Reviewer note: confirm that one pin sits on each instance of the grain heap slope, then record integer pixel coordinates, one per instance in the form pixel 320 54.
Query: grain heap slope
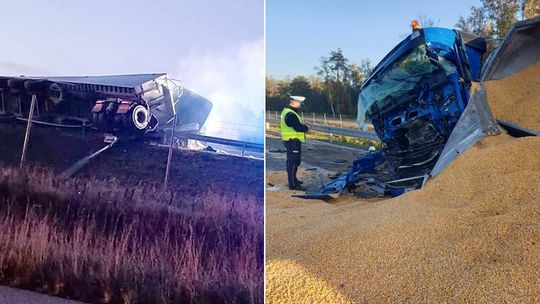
pixel 517 98
pixel 471 235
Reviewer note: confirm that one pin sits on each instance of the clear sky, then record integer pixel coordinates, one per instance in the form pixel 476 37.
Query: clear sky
pixel 299 32
pixel 215 46
pixel 129 36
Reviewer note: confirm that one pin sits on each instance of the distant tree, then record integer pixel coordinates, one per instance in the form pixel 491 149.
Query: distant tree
pixel 357 77
pixel 365 67
pixel 501 14
pixel 271 86
pixel 276 93
pixel 493 18
pixel 334 89
pixel 463 25
pixel 318 102
pixel 335 71
pixel 341 68
pixel 300 86
pixel 325 72
pixel 477 23
pixel 529 8
pixel 339 64
pixel 425 21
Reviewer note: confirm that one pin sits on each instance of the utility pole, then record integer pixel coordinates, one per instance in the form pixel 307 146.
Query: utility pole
pixel 167 97
pixel 3 103
pixel 169 156
pixel 28 128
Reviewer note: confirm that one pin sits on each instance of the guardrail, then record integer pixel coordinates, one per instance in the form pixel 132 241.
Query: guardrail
pixel 222 141
pixel 321 118
pixel 335 130
pixel 243 145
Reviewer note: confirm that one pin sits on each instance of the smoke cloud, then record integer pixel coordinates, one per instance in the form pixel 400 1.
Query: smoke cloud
pixel 233 79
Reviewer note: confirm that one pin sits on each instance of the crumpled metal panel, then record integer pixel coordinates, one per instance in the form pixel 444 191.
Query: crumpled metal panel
pixel 475 123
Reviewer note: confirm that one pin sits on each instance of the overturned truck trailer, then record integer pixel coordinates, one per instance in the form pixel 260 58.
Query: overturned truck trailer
pixel 125 105
pixel 427 107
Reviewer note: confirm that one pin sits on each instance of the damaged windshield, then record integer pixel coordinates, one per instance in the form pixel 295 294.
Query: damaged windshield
pixel 402 76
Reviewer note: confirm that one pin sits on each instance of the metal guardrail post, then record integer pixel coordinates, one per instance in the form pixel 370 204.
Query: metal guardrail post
pixel 109 140
pixel 169 156
pixel 325 122
pixel 28 128
pixel 313 117
pixel 3 104
pixel 340 131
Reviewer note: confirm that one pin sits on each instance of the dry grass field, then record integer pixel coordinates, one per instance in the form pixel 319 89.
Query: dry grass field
pixel 112 234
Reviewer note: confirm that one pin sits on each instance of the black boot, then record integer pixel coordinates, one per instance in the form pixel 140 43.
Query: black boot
pixel 295 171
pixel 297 182
pixel 298 188
pixel 290 174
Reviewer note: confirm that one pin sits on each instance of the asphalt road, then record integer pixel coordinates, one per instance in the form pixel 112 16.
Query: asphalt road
pixel 331 157
pixel 10 295
pixel 320 160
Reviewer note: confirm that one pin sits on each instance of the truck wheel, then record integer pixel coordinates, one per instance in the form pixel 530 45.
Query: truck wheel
pixel 98 119
pixel 55 93
pixel 140 117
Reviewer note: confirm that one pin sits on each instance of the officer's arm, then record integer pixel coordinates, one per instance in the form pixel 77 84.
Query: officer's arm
pixel 292 121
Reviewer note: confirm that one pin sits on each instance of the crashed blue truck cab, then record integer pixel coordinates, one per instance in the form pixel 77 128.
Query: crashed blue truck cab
pixel 428 105
pixel 414 99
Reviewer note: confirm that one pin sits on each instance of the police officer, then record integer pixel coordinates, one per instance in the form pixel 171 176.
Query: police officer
pixel 293 134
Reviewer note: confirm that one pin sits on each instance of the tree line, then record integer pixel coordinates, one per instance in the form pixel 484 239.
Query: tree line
pixel 334 89
pixel 493 18
pixel 335 86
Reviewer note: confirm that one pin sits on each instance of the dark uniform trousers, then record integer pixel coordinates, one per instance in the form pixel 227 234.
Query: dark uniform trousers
pixel 294 157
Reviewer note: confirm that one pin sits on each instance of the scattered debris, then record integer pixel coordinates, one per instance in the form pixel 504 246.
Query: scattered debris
pixel 278 151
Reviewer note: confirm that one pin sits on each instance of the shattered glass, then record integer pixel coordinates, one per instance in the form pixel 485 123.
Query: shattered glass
pixel 401 77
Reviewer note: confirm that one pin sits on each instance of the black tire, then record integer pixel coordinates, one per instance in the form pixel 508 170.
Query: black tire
pixel 140 117
pixel 99 120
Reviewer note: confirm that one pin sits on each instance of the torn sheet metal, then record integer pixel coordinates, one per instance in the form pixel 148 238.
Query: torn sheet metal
pixel 475 123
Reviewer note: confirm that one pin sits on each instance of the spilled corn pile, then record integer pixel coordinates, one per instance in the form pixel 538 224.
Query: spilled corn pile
pixel 471 235
pixel 292 278
pixel 517 98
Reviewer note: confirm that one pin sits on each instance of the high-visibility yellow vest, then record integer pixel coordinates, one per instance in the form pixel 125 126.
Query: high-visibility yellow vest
pixel 288 132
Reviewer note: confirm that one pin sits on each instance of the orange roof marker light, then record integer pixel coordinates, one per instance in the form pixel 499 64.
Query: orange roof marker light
pixel 415 25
